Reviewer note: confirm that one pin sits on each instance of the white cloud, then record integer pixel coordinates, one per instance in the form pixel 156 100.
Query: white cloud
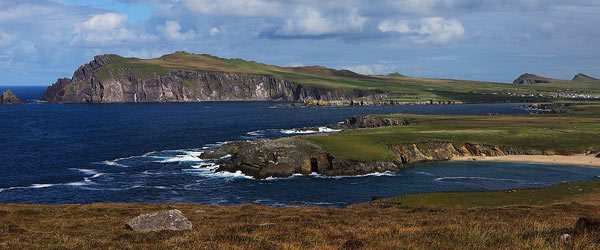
pixel 108 29
pixel 172 30
pixel 7 39
pixel 245 8
pixel 309 21
pixel 214 31
pixel 106 21
pixel 434 30
pixel 398 26
pixel 438 30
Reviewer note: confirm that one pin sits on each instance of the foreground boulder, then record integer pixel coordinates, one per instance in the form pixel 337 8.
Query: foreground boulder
pixel 9 98
pixel 587 225
pixel 153 222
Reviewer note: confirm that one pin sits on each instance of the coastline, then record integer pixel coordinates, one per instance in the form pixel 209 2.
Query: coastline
pixel 579 159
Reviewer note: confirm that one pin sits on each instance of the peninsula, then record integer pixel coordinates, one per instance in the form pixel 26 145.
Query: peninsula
pixel 187 77
pixel 380 143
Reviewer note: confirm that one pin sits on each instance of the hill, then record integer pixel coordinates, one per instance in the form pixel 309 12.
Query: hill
pixel 187 77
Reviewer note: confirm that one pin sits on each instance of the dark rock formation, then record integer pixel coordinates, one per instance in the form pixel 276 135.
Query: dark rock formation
pixel 587 225
pixel 370 121
pixel 91 84
pixel 154 222
pixel 554 107
pixel 530 79
pixel 582 77
pixel 289 156
pixel 9 98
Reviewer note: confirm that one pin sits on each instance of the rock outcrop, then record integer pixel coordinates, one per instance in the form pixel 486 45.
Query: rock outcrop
pixel 9 98
pixel 555 107
pixel 153 222
pixel 530 79
pixel 288 156
pixel 94 83
pixel 370 121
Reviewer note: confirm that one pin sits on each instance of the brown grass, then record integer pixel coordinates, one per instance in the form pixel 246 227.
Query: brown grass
pixel 364 226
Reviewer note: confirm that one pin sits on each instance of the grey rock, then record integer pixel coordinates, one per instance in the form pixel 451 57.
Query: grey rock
pixel 159 221
pixel 9 98
pixel 598 155
pixel 565 238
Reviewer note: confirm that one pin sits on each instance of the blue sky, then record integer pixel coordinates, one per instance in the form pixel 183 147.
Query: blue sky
pixel 493 40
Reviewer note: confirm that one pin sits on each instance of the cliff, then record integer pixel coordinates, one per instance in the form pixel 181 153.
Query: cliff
pixel 289 156
pixel 9 98
pixel 107 79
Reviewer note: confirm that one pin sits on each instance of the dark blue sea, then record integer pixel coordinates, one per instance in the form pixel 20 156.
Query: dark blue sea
pixel 85 153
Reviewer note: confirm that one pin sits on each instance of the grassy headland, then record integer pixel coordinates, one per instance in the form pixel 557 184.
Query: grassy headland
pixel 565 133
pixel 398 87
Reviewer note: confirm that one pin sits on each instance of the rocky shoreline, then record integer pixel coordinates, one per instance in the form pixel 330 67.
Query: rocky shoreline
pixel 285 157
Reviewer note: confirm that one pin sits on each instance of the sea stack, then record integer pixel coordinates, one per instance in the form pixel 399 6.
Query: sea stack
pixel 530 79
pixel 9 98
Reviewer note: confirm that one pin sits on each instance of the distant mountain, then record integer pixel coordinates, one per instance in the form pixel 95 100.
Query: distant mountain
pixel 531 79
pixel 582 77
pixel 187 77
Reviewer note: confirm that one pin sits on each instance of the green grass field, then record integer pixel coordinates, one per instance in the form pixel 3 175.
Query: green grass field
pixel 398 87
pixel 563 192
pixel 576 131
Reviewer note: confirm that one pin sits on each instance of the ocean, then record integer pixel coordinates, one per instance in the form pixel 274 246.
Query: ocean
pixel 86 153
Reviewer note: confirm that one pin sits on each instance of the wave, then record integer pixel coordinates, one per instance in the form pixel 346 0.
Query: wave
pixel 478 178
pixel 300 131
pixel 114 163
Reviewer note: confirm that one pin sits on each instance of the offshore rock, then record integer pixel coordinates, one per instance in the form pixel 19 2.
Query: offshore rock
pixel 9 98
pixel 153 222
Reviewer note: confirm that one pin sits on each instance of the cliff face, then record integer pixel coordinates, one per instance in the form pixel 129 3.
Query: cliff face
pixel 180 85
pixel 289 156
pixel 9 98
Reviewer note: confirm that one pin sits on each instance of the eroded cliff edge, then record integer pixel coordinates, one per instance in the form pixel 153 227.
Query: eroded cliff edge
pixel 288 156
pixel 95 83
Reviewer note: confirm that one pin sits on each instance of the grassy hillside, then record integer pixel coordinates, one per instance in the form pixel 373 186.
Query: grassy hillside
pixel 398 87
pixel 572 132
pixel 493 220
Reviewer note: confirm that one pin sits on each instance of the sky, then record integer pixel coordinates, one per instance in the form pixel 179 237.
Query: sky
pixel 487 40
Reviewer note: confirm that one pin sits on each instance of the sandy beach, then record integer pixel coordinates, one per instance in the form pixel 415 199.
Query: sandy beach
pixel 583 160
